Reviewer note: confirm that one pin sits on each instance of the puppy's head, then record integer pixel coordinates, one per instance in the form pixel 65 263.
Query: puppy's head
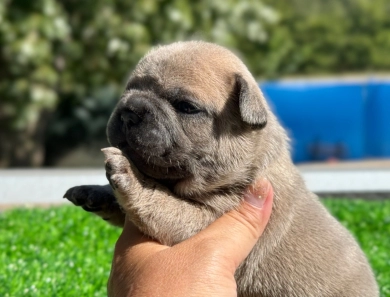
pixel 190 117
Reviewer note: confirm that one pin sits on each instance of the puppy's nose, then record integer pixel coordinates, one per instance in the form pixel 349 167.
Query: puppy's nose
pixel 130 117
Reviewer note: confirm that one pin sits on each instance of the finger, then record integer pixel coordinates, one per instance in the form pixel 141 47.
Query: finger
pixel 133 244
pixel 131 252
pixel 233 235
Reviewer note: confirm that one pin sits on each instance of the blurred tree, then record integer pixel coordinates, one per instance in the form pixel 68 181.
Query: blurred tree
pixel 64 62
pixel 29 77
pixel 327 36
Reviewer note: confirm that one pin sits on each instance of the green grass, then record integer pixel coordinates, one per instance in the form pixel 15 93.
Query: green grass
pixel 66 252
pixel 369 222
pixel 54 252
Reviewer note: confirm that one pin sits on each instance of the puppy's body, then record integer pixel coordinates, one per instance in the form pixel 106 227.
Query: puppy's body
pixel 192 131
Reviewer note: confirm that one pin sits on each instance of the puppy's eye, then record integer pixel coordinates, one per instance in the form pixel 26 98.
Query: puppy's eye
pixel 186 107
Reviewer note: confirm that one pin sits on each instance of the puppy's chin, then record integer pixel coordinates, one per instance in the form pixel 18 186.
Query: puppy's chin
pixel 156 168
pixel 177 179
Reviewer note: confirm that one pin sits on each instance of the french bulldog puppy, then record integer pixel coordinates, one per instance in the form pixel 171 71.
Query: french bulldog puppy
pixel 190 132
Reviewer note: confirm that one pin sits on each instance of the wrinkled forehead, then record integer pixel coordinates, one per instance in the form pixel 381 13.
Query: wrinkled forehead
pixel 209 81
pixel 178 89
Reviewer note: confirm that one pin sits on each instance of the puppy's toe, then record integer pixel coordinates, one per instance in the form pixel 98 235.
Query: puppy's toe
pixel 111 151
pixel 90 198
pixel 117 164
pixel 77 195
pixel 121 183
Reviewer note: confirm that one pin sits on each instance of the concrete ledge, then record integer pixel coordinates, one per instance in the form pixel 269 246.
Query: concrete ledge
pixel 348 181
pixel 44 186
pixel 47 186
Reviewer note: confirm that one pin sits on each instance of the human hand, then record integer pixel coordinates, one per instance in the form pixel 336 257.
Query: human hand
pixel 203 265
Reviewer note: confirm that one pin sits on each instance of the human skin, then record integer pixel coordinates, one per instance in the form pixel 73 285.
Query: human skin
pixel 203 265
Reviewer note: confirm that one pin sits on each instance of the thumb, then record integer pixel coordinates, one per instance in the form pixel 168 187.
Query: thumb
pixel 235 234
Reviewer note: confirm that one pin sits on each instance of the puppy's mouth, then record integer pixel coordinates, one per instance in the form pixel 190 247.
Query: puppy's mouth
pixel 162 168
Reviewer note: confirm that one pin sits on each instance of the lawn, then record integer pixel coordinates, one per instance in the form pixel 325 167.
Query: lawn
pixel 59 251
pixel 64 251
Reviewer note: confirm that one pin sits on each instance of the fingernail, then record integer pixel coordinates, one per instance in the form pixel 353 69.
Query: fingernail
pixel 257 193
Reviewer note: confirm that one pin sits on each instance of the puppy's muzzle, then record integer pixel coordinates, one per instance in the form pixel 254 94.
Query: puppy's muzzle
pixel 130 118
pixel 135 111
pixel 145 128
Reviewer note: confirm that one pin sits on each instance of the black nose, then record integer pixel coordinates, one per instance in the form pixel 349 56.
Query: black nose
pixel 130 117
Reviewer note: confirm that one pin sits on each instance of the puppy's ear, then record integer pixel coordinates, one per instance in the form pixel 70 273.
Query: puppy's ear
pixel 251 103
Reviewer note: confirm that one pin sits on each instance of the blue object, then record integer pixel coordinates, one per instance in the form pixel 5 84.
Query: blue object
pixel 378 120
pixel 324 119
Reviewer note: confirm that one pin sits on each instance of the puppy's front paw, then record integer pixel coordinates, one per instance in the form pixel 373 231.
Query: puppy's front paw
pixel 98 200
pixel 122 175
pixel 117 168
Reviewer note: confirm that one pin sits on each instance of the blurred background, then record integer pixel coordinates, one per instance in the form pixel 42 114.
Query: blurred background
pixel 64 63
